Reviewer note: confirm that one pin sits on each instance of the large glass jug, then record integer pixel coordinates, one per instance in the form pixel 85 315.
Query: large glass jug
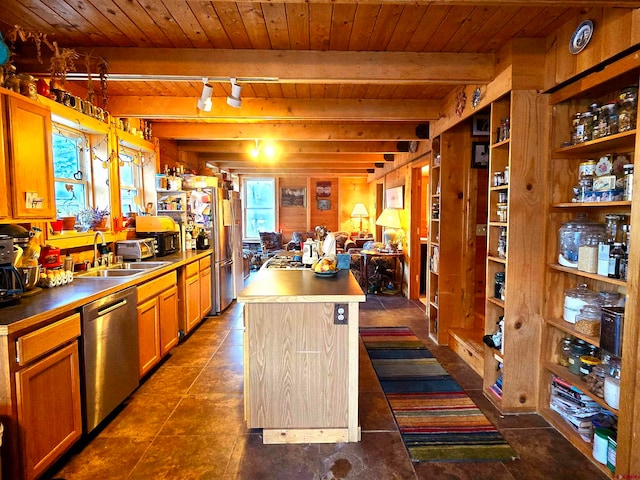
pixel 573 234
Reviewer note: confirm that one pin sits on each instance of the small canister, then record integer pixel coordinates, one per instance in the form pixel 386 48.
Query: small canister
pixel 499 284
pixel 611 454
pixel 587 363
pixel 601 443
pixel 586 169
pixel 628 181
pixel 578 349
pixel 612 384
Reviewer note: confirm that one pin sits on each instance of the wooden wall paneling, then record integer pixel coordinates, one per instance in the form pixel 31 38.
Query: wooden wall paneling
pixel 294 218
pixel 4 185
pixel 324 217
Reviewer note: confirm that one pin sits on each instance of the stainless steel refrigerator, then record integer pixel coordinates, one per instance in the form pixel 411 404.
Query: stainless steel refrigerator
pixel 236 230
pixel 210 208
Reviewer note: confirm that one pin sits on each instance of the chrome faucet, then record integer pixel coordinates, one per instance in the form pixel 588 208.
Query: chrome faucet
pixel 96 260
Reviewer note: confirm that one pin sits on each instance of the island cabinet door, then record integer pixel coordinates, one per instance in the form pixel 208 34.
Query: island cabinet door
pixel 298 366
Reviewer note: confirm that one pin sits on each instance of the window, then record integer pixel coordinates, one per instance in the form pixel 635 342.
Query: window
pixel 260 207
pixel 71 171
pixel 130 180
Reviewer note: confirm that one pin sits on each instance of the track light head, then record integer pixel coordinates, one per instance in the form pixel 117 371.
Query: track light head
pixel 204 102
pixel 234 100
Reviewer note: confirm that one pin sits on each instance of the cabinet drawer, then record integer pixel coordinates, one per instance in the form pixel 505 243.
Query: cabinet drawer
pixel 154 287
pixel 192 269
pixel 205 262
pixel 35 344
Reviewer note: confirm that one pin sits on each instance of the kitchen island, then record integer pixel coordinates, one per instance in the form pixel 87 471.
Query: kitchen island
pixel 301 356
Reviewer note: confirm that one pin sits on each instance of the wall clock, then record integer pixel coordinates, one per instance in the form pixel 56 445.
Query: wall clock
pixel 581 37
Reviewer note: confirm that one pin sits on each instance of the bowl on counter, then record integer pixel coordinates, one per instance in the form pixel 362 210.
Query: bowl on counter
pixel 30 276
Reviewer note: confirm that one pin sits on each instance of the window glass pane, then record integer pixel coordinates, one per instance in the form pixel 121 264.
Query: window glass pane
pixel 66 156
pixel 260 193
pixel 126 174
pixel 260 207
pixel 70 198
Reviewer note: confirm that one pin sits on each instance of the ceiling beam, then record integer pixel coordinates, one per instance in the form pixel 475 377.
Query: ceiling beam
pixel 277 109
pixel 476 3
pixel 290 147
pixel 300 171
pixel 304 131
pixel 293 164
pixel 290 66
pixel 316 160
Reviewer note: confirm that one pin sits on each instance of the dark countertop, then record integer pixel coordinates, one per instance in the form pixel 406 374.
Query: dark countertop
pixel 50 302
pixel 303 286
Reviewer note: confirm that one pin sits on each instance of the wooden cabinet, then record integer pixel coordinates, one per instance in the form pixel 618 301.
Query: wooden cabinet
pixel 515 249
pixel 168 318
pixel 206 300
pixel 4 185
pixel 48 394
pixel 563 164
pixel 29 160
pixel 157 320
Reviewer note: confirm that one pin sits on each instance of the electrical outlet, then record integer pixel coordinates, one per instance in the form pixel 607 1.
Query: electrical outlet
pixel 481 230
pixel 341 314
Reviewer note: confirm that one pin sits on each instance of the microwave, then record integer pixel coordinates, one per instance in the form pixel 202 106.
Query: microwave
pixel 166 243
pixel 136 249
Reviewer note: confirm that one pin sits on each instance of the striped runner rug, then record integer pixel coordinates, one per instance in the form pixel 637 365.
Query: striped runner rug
pixel 436 418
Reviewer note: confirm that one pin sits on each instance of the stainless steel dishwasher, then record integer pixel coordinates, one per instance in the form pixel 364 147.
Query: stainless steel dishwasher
pixel 109 354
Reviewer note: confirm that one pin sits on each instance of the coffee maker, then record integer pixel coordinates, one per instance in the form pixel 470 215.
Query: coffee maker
pixel 11 286
pixel 309 252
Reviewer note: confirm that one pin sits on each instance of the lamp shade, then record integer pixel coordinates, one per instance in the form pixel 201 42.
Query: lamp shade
pixel 389 218
pixel 359 211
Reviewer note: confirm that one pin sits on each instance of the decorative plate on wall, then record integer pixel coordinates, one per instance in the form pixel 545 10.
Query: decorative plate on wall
pixel 581 37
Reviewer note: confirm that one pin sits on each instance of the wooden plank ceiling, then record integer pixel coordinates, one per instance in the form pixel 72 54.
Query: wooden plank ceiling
pixel 337 83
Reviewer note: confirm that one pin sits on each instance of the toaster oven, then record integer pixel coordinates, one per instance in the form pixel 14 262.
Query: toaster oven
pixel 136 249
pixel 166 243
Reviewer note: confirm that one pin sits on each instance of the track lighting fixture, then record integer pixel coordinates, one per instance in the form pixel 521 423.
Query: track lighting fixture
pixel 234 99
pixel 204 102
pixel 265 150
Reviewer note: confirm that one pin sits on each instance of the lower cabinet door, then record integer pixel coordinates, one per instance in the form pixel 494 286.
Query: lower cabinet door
pixel 168 313
pixel 192 301
pixel 49 415
pixel 148 335
pixel 205 292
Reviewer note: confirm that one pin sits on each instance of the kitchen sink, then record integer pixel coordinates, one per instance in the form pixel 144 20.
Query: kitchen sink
pixel 143 265
pixel 112 272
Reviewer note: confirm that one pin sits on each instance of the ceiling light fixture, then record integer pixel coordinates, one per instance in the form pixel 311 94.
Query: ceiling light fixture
pixel 265 150
pixel 234 99
pixel 204 102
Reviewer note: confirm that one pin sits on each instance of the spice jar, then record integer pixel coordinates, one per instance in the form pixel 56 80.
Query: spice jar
pixel 612 227
pixel 627 108
pixel 575 299
pixel 502 243
pixel 579 348
pixel 501 212
pixel 587 362
pixel 498 179
pixel 576 128
pixel 564 352
pixel 594 109
pixel 587 321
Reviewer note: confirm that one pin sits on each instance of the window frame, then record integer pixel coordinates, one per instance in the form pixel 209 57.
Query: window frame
pixel 83 150
pixel 138 175
pixel 246 209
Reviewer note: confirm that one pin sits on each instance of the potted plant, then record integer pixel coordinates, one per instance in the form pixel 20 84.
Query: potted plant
pixel 99 218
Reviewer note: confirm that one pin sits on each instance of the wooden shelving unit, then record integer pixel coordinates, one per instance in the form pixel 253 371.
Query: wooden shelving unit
pixel 447 279
pixel 522 262
pixel 563 170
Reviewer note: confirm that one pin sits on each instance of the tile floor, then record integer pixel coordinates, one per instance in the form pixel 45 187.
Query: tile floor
pixel 186 422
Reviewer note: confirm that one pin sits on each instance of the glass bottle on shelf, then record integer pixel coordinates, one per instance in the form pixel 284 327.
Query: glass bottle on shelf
pixel 627 108
pixel 502 243
pixel 564 352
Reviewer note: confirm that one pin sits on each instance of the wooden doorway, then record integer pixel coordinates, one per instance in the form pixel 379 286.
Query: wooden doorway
pixel 379 208
pixel 418 229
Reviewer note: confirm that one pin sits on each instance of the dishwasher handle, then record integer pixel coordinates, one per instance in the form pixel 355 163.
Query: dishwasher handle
pixel 112 307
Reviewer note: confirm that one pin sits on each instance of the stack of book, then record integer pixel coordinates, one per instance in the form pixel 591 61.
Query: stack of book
pixel 496 388
pixel 575 407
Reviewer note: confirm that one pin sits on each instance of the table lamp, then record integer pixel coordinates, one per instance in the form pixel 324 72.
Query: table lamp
pixel 360 211
pixel 390 219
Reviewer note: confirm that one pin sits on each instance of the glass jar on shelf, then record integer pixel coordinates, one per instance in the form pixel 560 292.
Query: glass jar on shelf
pixel 587 321
pixel 627 108
pixel 588 250
pixel 564 352
pixel 612 383
pixel 571 235
pixel 608 119
pixel 502 243
pixel 575 299
pixel 579 348
pixel 612 228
